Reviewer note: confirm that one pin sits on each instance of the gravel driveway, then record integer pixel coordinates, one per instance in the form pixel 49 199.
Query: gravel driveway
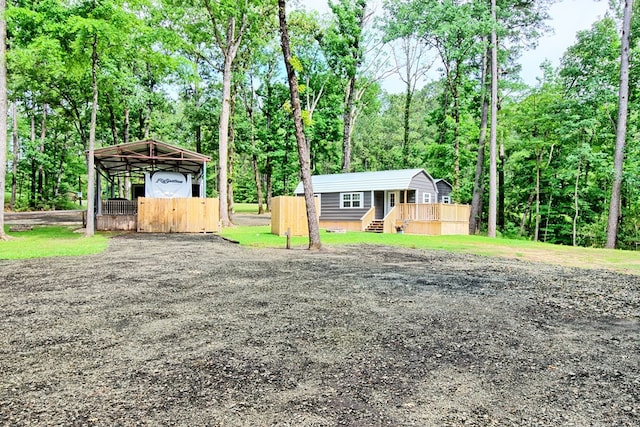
pixel 191 330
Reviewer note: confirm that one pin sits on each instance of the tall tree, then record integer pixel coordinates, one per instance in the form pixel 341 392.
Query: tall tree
pixel 91 188
pixel 476 198
pixel 3 112
pixel 457 31
pixel 344 45
pixel 493 193
pixel 229 26
pixel 411 67
pixel 303 152
pixel 621 128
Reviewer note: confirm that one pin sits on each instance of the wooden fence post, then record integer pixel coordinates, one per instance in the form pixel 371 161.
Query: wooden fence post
pixel 288 238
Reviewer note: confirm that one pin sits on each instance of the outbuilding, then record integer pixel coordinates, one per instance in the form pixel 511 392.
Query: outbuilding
pixel 166 189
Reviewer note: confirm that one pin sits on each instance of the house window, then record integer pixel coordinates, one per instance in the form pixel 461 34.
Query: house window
pixel 392 199
pixel 426 197
pixel 446 199
pixel 351 200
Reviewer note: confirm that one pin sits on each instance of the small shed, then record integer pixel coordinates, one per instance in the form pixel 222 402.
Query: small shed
pixel 444 190
pixel 164 189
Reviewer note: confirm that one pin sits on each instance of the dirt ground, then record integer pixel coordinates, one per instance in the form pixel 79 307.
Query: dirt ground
pixel 191 330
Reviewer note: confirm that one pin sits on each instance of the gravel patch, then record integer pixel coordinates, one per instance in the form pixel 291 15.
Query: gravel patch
pixel 192 330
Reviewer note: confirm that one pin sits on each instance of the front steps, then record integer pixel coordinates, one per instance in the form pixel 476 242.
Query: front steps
pixel 376 226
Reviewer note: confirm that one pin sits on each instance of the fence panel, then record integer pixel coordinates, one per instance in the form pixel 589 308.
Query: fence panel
pixel 180 215
pixel 290 213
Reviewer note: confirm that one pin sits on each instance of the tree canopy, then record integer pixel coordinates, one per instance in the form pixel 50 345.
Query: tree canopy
pixel 210 76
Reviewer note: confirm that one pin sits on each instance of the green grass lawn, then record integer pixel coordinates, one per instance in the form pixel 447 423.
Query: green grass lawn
pixel 50 241
pixel 246 208
pixel 623 261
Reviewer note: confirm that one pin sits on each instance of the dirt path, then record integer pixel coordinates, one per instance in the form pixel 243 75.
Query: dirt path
pixel 191 330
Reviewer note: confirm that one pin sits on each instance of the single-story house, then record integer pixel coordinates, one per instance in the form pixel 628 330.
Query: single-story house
pixel 348 196
pixel 386 201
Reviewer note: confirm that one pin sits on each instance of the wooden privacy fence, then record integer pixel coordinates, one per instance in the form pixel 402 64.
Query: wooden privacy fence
pixel 290 213
pixel 180 215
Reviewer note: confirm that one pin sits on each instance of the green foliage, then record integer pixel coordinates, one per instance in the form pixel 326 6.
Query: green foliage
pixel 160 66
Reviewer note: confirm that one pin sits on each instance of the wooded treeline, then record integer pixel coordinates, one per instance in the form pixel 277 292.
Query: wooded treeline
pixel 209 75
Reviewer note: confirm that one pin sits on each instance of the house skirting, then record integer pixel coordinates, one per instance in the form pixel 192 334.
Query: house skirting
pixel 342 225
pixel 436 228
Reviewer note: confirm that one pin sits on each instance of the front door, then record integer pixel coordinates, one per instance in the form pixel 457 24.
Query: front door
pixel 391 199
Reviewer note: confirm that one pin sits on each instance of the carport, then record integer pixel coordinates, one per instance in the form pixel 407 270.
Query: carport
pixel 164 184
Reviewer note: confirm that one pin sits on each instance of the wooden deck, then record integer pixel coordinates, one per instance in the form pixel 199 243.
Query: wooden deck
pixel 433 219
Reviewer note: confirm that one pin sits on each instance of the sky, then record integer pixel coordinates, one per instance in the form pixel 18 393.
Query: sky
pixel 567 18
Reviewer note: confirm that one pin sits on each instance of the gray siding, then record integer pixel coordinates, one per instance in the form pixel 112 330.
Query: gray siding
pixel 423 184
pixel 444 189
pixel 331 211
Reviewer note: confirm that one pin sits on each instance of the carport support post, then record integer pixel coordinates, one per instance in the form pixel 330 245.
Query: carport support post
pixel 203 180
pixel 98 196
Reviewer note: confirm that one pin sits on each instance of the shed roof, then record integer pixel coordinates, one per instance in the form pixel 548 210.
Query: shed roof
pixel 363 181
pixel 148 155
pixel 443 180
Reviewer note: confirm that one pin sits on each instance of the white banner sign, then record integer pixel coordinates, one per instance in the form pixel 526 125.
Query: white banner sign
pixel 167 185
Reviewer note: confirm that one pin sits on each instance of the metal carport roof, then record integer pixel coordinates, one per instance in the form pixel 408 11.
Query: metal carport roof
pixel 148 156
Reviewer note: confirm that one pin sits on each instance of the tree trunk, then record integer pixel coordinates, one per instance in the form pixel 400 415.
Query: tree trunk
pixel 32 187
pixel 223 142
pixel 491 227
pixel 254 156
pixel 125 131
pixel 527 209
pixel 56 188
pixel 269 185
pixel 349 107
pixel 223 125
pixel 112 122
pixel 303 153
pixel 407 117
pixel 232 136
pixel 474 217
pixel 91 187
pixel 501 195
pixel 3 112
pixel 538 167
pixel 546 223
pixel 621 130
pixel 14 175
pixel 196 98
pixel 268 166
pixel 346 134
pixel 576 206
pixel 43 137
pixel 456 140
